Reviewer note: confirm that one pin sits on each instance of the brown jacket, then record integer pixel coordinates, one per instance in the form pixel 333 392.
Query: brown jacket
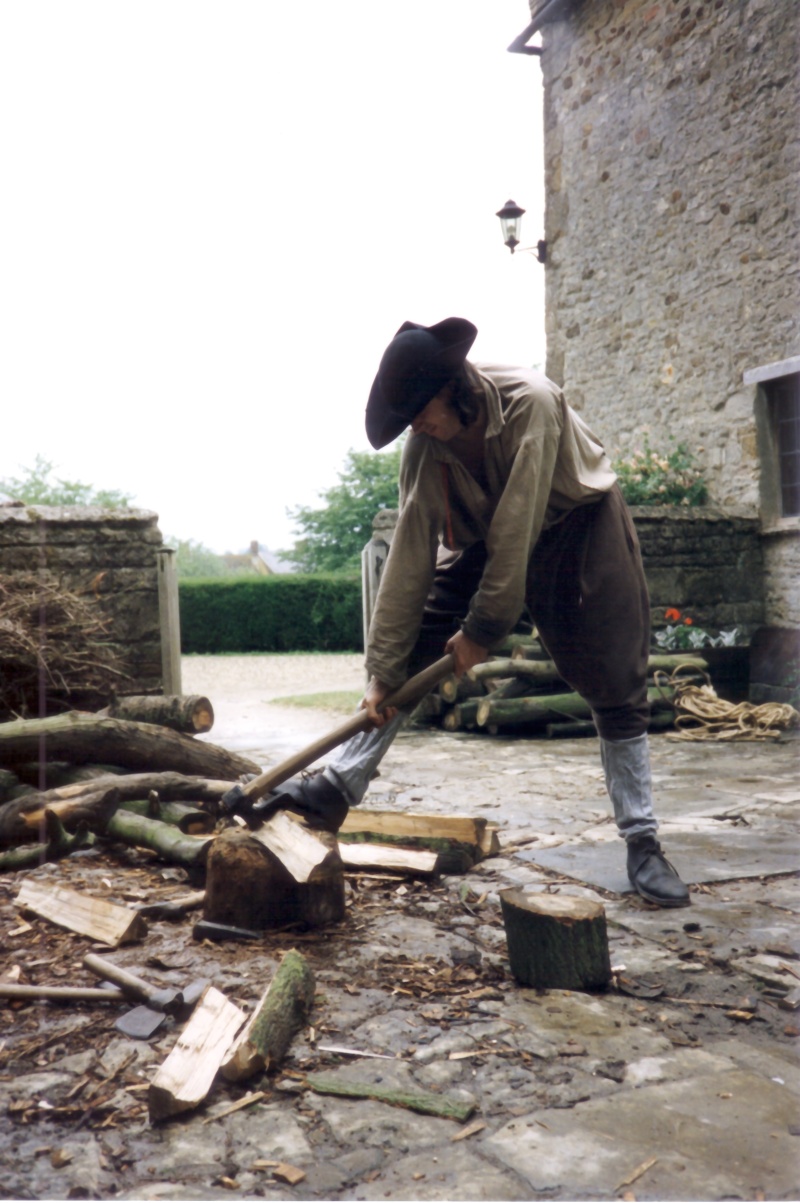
pixel 541 461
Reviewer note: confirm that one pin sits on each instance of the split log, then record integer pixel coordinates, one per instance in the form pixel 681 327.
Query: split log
pixel 193 715
pixel 388 825
pixel 168 841
pixel 450 856
pixel 81 738
pixel 188 819
pixel 418 1100
pixel 182 1082
pixel 281 1013
pixel 105 922
pixel 59 843
pixel 556 941
pixel 537 711
pixel 414 862
pixel 277 876
pixel 23 820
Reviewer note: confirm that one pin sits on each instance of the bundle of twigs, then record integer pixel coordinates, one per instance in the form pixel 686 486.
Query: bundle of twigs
pixel 53 641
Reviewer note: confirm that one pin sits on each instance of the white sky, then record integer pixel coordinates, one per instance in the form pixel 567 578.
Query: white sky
pixel 216 215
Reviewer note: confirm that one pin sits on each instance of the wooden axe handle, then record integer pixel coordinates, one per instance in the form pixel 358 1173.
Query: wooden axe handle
pixel 412 691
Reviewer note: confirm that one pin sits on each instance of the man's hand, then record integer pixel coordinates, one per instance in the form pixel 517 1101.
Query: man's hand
pixel 465 652
pixel 375 693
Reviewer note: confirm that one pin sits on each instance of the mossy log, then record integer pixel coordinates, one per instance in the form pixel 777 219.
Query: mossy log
pixel 188 819
pixel 59 843
pixel 166 840
pixel 556 941
pixel 281 1013
pixel 460 689
pixel 429 1104
pixel 23 821
pixel 191 714
pixel 540 710
pixel 141 747
pixel 462 715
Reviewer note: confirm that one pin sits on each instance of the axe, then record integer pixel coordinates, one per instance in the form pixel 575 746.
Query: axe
pixel 241 798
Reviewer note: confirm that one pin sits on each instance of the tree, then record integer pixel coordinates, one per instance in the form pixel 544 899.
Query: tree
pixel 35 487
pixel 334 536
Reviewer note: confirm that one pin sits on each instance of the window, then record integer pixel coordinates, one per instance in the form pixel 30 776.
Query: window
pixel 783 399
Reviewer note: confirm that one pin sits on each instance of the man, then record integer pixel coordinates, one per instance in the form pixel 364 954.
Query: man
pixel 506 500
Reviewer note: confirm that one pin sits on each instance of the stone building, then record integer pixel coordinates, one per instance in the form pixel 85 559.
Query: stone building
pixel 672 246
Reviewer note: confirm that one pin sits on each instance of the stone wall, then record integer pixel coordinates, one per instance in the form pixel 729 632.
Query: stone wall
pixel 107 556
pixel 671 144
pixel 701 561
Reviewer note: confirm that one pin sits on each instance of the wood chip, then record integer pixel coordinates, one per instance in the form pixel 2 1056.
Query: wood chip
pixel 637 1173
pixel 247 1101
pixel 288 1173
pixel 470 1130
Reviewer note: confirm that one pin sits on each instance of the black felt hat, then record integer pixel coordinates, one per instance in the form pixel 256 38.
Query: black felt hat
pixel 417 364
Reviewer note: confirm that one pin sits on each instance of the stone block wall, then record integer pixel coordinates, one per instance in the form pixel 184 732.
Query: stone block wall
pixel 701 561
pixel 109 557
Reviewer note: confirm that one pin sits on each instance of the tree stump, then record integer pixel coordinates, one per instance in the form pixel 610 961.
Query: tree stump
pixel 556 941
pixel 278 875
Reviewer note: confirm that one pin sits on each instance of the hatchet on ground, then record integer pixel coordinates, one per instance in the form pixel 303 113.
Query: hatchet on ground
pixel 241 798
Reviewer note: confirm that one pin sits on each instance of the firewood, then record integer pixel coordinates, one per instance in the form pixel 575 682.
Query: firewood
pixel 182 1082
pixel 81 738
pixel 105 922
pixel 460 689
pixel 190 851
pixel 281 1013
pixel 23 820
pixel 188 819
pixel 451 856
pixel 280 874
pixel 543 671
pixel 385 856
pixel 59 843
pixel 378 825
pixel 538 711
pixel 194 715
pixel 463 715
pixel 556 941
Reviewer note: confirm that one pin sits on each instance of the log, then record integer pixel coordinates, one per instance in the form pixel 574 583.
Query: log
pixel 280 875
pixel 451 857
pixel 462 715
pixel 556 941
pixel 59 843
pixel 429 709
pixel 460 689
pixel 416 863
pixel 105 922
pixel 659 721
pixel 83 738
pixel 168 841
pixel 541 671
pixel 379 823
pixel 281 1013
pixel 538 711
pixel 193 715
pixel 188 819
pixel 182 1082
pixel 428 1104
pixel 23 820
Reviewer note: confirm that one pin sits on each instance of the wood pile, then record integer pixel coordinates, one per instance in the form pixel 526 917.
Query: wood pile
pixel 518 691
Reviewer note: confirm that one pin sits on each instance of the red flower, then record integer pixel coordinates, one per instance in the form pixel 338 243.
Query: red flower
pixel 672 614
pixel 687 622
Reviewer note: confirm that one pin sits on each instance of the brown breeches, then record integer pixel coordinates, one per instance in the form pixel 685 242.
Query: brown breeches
pixel 586 593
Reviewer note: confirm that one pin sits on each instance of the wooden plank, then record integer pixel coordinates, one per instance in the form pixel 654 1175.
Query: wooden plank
pixel 106 922
pixel 185 1078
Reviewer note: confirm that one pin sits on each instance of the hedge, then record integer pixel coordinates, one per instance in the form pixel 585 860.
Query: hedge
pixel 290 613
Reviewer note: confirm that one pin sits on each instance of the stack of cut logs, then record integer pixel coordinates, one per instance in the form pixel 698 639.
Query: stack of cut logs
pixel 518 691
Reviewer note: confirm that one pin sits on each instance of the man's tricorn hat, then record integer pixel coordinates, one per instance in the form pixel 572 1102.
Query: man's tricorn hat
pixel 417 364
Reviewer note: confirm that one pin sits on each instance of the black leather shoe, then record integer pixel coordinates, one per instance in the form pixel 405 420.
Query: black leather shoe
pixel 651 874
pixel 319 802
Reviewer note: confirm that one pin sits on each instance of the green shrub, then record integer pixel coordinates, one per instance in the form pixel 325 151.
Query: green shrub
pixel 649 478
pixel 285 613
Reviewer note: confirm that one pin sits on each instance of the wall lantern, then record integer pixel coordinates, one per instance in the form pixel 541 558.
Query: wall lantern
pixel 511 224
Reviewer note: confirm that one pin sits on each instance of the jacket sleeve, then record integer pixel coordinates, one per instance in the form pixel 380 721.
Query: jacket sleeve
pixel 410 565
pixel 533 434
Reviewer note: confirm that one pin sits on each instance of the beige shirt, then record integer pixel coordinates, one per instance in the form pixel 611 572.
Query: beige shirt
pixel 541 461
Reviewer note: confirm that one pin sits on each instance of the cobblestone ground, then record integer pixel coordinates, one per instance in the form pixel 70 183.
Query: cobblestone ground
pixel 678 1082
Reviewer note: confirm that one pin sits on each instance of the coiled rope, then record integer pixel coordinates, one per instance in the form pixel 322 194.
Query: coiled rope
pixel 700 714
